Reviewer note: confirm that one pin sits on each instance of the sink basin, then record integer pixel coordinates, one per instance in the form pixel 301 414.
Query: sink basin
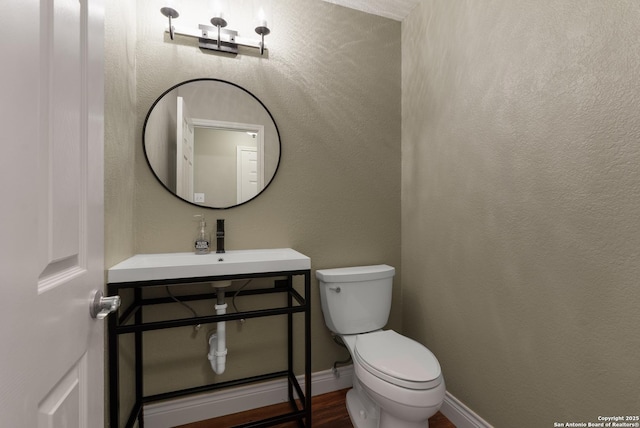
pixel 147 267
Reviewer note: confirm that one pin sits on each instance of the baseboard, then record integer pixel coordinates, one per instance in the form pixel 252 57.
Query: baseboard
pixel 460 415
pixel 182 411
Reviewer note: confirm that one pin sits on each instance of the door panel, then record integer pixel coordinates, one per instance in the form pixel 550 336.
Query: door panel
pixel 64 405
pixel 61 143
pixel 51 220
pixel 247 173
pixel 62 77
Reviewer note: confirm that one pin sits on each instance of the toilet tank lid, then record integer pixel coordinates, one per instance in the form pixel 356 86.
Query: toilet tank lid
pixel 356 273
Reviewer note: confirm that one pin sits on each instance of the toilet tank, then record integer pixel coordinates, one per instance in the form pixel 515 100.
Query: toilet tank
pixel 356 299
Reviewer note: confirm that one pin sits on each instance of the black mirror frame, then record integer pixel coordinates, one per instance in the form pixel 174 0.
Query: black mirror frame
pixel 144 148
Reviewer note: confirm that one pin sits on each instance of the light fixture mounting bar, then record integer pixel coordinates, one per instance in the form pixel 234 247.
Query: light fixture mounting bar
pixel 218 39
pixel 207 36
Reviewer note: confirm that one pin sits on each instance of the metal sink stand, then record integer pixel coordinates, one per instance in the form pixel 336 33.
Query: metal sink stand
pixel 129 320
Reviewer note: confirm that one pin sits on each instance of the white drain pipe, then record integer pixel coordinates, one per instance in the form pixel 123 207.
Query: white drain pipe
pixel 217 341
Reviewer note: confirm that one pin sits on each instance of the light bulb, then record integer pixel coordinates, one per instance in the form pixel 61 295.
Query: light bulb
pixel 262 19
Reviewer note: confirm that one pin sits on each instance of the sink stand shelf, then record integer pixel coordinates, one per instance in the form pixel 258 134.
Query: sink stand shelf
pixel 129 320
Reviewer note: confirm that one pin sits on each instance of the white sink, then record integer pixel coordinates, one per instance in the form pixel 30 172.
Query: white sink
pixel 145 267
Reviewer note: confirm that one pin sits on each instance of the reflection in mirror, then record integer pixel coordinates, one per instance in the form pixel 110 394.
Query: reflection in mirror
pixel 211 143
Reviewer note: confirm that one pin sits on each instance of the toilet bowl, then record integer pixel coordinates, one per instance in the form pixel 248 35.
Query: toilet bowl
pixel 398 382
pixel 396 374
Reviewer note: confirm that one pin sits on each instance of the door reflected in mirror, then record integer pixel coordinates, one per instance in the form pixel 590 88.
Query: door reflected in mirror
pixel 211 143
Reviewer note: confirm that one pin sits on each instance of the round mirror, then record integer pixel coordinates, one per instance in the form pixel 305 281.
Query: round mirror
pixel 211 143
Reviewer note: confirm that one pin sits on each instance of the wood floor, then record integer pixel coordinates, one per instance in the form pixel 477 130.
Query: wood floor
pixel 328 410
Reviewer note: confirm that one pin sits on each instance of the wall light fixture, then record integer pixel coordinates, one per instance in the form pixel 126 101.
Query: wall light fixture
pixel 215 36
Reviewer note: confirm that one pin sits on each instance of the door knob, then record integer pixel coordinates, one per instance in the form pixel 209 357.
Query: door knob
pixel 102 306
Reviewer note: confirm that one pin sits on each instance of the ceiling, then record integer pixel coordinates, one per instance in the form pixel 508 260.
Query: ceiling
pixel 394 9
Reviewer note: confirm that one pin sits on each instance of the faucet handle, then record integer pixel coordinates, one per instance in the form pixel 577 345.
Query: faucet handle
pixel 220 235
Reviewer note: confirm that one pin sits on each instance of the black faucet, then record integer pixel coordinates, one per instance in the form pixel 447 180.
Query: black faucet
pixel 220 235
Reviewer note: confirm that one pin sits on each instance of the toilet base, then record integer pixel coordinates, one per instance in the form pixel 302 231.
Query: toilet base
pixel 388 420
pixel 365 414
pixel 362 412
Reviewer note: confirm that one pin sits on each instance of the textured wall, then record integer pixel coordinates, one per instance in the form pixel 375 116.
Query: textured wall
pixel 119 154
pixel 332 83
pixel 120 129
pixel 520 204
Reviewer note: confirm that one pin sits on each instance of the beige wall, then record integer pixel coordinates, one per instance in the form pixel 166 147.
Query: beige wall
pixel 121 137
pixel 331 80
pixel 521 203
pixel 119 153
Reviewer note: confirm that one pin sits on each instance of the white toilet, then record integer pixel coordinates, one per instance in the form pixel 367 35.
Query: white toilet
pixel 398 382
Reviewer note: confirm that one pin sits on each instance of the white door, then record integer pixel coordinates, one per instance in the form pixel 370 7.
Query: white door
pixel 51 213
pixel 247 173
pixel 184 152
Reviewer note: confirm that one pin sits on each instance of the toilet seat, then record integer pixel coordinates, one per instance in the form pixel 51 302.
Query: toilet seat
pixel 398 360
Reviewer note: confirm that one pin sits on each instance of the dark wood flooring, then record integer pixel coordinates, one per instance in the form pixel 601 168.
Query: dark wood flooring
pixel 328 410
